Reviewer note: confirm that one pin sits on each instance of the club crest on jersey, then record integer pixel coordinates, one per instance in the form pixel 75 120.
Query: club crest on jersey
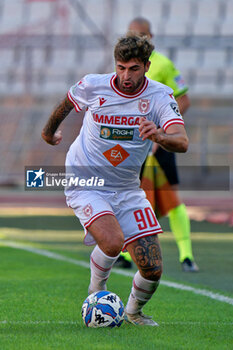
pixel 143 105
pixel 175 108
pixel 88 210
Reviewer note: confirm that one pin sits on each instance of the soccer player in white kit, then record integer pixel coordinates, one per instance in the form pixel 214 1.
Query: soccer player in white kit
pixel 125 112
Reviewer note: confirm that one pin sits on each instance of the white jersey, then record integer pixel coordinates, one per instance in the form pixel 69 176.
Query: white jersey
pixel 108 146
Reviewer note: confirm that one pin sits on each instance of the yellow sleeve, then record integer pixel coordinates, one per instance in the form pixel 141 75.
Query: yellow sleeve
pixel 164 71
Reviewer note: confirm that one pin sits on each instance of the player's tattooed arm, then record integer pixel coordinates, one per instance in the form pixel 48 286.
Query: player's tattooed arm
pixel 50 133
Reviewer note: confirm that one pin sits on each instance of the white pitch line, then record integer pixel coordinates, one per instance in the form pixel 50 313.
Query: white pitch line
pixel 51 255
pixel 174 323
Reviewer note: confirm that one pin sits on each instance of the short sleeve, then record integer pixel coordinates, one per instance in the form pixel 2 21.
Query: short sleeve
pixel 163 70
pixel 78 95
pixel 169 112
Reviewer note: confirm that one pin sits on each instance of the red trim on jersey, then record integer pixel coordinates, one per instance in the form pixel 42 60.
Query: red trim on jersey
pixel 114 87
pixel 140 235
pixel 172 121
pixel 102 213
pixel 71 99
pixel 100 267
pixel 142 290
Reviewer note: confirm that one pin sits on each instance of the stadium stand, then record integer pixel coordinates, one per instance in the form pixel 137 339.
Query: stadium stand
pixel 209 10
pixel 227 28
pixel 173 27
pixel 229 10
pixel 176 8
pixel 43 27
pixel 47 45
pixel 155 15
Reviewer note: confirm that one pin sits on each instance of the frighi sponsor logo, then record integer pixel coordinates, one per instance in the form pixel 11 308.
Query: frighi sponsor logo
pixel 116 119
pixel 116 133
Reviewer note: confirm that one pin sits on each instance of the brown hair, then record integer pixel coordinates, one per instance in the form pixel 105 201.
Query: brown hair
pixel 133 46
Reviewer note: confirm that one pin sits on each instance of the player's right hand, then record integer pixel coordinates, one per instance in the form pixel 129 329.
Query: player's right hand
pixel 54 139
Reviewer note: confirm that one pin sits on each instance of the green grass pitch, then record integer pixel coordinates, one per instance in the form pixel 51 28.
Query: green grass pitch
pixel 41 297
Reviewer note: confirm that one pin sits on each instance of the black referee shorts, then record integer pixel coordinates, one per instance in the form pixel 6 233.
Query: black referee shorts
pixel 167 161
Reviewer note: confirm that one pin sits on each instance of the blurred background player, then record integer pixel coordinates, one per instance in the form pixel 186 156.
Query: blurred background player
pixel 163 70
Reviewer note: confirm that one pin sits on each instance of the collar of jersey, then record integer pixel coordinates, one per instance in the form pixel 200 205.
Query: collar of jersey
pixel 113 86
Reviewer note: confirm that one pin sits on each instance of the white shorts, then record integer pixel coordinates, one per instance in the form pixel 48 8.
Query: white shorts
pixel 131 208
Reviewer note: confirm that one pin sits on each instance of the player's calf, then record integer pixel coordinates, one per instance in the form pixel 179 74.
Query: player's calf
pixel 101 265
pixel 146 254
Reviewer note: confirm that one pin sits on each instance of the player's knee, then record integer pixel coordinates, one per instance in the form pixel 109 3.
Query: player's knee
pixel 114 245
pixel 153 273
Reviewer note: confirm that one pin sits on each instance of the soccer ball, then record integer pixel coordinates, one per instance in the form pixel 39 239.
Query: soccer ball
pixel 103 309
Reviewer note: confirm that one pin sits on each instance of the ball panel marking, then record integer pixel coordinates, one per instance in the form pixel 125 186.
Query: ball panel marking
pixel 103 309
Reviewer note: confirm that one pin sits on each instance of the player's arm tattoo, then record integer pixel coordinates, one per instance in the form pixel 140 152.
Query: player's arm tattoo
pixel 57 116
pixel 148 257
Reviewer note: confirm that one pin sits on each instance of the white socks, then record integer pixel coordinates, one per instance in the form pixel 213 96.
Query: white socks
pixel 142 289
pixel 141 293
pixel 101 265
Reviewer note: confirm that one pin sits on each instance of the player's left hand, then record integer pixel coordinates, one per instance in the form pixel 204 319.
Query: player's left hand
pixel 148 130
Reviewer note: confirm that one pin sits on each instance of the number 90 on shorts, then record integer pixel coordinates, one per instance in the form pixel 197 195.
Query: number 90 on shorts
pixel 131 208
